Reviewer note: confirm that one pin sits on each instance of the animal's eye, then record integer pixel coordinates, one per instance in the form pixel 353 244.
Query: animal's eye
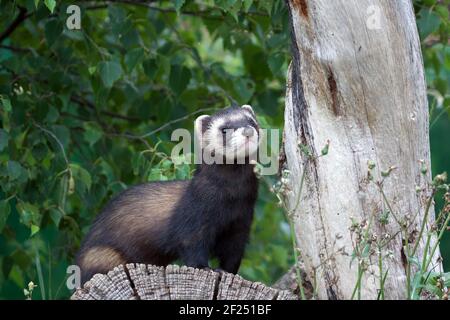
pixel 224 130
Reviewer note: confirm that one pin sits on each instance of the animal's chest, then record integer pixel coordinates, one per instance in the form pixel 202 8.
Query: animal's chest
pixel 221 200
pixel 230 210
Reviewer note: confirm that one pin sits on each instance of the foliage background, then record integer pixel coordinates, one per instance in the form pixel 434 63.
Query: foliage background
pixel 86 113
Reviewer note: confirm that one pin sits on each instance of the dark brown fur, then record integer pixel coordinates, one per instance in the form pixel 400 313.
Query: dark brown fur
pixel 159 222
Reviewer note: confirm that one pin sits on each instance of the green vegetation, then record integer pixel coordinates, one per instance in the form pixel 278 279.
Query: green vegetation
pixel 86 113
pixel 434 29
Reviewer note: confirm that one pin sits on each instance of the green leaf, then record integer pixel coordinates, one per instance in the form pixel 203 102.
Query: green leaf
pixel 6 104
pixel 133 57
pixel 275 63
pixel 16 276
pixel 183 171
pixel 107 170
pixel 166 164
pixel 34 229
pixel 14 169
pixel 280 254
pixel 156 174
pixel 29 213
pixel 110 72
pixel 52 115
pixel 150 68
pixel 179 78
pixel 230 6
pixel 136 162
pixel 429 3
pixel 4 137
pixel 36 3
pixel 262 120
pixel 247 5
pixel 81 174
pixel 178 4
pixel 266 4
pixel 277 40
pixel 443 12
pixel 56 216
pixel 51 4
pixel 244 89
pixel 53 29
pixel 428 23
pixel 5 210
pixel 63 135
pixel 92 132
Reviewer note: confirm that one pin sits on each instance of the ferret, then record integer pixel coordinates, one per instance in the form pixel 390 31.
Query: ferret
pixel 192 220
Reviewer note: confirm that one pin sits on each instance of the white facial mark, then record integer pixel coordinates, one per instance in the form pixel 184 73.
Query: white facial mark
pixel 210 136
pixel 198 127
pixel 237 145
pixel 249 111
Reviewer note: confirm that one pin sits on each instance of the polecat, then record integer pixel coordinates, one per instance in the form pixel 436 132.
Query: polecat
pixel 209 215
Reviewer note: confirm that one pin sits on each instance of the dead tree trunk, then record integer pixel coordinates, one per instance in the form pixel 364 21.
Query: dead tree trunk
pixel 357 80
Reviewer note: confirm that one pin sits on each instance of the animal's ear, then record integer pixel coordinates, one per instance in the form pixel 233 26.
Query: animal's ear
pixel 201 124
pixel 249 108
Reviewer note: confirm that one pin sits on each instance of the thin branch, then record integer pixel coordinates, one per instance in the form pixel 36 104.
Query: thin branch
pixel 141 138
pixel 15 49
pixel 130 137
pixel 57 141
pixel 23 15
pixel 176 121
pixel 81 101
pixel 201 13
pixel 204 14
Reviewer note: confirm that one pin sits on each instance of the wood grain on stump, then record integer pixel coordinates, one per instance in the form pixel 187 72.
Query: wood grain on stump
pixel 148 282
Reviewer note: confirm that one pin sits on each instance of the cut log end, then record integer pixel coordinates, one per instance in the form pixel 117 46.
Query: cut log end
pixel 149 282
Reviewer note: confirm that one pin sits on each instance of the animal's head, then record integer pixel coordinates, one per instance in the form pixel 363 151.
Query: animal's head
pixel 231 133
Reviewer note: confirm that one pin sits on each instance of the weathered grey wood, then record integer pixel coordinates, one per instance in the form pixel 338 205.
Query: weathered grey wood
pixel 286 295
pixel 357 80
pixel 189 283
pixel 234 287
pixel 148 282
pixel 112 286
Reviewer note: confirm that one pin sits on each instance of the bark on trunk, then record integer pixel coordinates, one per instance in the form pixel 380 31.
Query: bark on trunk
pixel 363 88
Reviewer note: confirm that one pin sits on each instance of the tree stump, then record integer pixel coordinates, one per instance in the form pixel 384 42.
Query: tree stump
pixel 149 282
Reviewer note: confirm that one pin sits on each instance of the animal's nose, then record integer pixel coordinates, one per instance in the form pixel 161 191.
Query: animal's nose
pixel 248 132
